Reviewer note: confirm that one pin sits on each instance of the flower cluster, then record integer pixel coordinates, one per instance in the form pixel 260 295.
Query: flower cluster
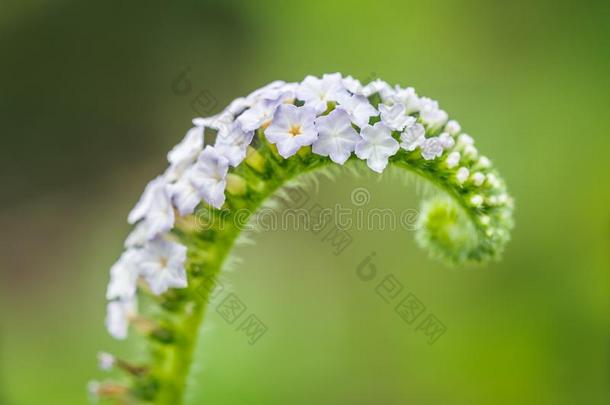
pixel 334 117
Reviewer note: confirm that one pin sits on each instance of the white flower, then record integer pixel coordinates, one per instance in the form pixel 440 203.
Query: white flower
pixel 395 117
pixel 462 174
pixel 138 236
pixel 238 106
pixel 453 159
pixel 446 140
pixel 316 92
pixel 209 176
pixel 476 200
pixel 465 140
pixel 431 114
pixel 234 144
pixel 407 97
pixel 337 138
pixel 105 361
pixel 292 127
pixel 376 146
pixel 118 314
pixel 484 162
pixel 377 86
pixel 266 91
pixel 219 122
pixel 353 85
pixel 470 152
pixel 259 115
pixel 358 108
pixel 478 178
pixel 155 208
pixel 431 148
pixel 413 137
pixel 185 194
pixel 453 127
pixel 185 153
pixel 124 276
pixel 162 265
pixel 286 93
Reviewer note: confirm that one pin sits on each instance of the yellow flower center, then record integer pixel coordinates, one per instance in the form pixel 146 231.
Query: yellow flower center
pixel 295 130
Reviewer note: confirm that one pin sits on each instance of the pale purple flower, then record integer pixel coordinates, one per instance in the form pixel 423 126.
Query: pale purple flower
pixel 337 138
pixel 292 128
pixel 185 153
pixel 124 276
pixel 413 137
pixel 209 176
pixel 377 86
pixel 316 92
pixel 395 117
pixel 259 115
pixel 431 148
pixel 376 146
pixel 430 113
pixel 185 194
pixel 162 265
pixel 446 140
pixel 154 208
pixel 234 144
pixel 118 315
pixel 407 97
pixel 358 108
pixel 352 85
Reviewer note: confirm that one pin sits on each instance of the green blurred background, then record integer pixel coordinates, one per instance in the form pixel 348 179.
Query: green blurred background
pixel 88 112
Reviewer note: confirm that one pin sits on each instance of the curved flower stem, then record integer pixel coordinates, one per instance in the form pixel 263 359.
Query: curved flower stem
pixel 210 241
pixel 207 250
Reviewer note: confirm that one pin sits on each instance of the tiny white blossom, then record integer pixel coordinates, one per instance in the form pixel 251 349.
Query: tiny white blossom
pixel 431 148
pixel 138 235
pixel 413 137
pixel 185 194
pixel 358 108
pixel 493 181
pixel 464 140
pixel 478 178
pixel 395 117
pixel 285 93
pixel 453 159
pixel 462 174
pixel 259 115
pixel 185 153
pixel 406 97
pixel 162 265
pixel 105 361
pixel 118 315
pixel 453 127
pixel 476 200
pixel 431 114
pixel 234 144
pixel 377 86
pixel 376 146
pixel 470 152
pixel 154 208
pixel 266 92
pixel 292 128
pixel 353 85
pixel 446 140
pixel 337 138
pixel 485 220
pixel 209 176
pixel 484 162
pixel 316 92
pixel 124 276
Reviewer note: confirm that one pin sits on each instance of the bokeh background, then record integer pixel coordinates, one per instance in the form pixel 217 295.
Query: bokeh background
pixel 88 109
